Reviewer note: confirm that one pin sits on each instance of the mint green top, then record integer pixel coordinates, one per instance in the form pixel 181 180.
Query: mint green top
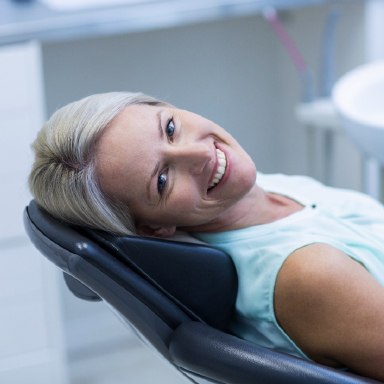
pixel 347 220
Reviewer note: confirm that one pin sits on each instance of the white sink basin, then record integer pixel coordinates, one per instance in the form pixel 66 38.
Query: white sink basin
pixel 359 100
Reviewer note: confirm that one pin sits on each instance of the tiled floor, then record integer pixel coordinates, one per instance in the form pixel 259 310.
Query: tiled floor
pixel 134 365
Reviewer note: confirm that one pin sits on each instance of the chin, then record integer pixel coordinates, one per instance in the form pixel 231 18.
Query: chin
pixel 242 174
pixel 246 183
pixel 251 174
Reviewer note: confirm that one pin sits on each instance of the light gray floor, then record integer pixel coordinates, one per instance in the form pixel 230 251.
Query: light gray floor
pixel 102 349
pixel 136 364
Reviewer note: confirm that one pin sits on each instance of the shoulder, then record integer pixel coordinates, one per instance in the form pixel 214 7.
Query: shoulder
pixel 312 264
pixel 326 301
pixel 331 306
pixel 306 285
pixel 311 272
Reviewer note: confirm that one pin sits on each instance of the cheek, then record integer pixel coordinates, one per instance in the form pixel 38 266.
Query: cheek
pixel 183 207
pixel 184 202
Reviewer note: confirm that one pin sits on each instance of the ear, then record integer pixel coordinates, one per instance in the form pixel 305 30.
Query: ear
pixel 152 230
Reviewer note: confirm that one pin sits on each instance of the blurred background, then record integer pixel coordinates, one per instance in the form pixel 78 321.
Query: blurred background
pixel 261 69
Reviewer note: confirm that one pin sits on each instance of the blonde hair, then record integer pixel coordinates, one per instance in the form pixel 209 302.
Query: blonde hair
pixel 63 178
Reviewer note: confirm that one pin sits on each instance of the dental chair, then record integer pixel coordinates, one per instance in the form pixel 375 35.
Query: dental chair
pixel 177 297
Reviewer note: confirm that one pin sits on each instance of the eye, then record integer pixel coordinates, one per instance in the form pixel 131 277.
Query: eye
pixel 162 182
pixel 170 129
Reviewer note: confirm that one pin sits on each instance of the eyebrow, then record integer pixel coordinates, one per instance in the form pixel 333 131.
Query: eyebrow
pixel 156 169
pixel 159 126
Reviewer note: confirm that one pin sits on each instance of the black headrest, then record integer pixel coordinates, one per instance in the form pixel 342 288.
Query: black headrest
pixel 202 279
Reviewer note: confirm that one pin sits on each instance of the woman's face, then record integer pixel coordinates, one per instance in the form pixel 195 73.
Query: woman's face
pixel 171 167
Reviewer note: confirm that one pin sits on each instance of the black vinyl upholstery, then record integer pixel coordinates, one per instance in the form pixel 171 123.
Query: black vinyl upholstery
pixel 178 297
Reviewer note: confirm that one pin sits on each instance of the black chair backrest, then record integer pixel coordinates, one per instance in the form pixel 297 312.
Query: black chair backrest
pixel 155 284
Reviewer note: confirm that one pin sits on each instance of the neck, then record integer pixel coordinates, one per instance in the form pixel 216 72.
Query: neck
pixel 255 208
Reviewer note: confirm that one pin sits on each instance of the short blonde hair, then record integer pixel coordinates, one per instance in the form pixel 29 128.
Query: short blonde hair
pixel 63 178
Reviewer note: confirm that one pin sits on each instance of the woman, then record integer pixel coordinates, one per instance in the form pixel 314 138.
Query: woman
pixel 310 259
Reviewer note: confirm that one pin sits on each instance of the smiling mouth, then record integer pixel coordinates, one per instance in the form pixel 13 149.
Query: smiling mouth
pixel 220 171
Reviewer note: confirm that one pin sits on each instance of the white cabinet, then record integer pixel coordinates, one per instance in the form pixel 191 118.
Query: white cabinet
pixel 31 343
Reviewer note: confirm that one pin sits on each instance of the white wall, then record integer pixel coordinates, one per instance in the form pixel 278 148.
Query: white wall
pixel 307 28
pixel 31 345
pixel 374 30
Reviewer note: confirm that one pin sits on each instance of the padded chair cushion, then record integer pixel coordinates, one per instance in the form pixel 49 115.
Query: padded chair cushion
pixel 198 277
pixel 202 284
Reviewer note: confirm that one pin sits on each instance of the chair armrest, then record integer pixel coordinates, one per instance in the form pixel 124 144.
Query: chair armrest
pixel 213 354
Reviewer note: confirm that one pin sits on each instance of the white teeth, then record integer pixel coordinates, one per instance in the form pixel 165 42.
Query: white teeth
pixel 222 162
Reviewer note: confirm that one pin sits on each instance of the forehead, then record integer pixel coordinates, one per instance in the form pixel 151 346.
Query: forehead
pixel 132 116
pixel 121 134
pixel 123 156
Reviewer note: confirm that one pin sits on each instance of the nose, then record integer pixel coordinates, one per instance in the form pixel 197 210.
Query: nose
pixel 192 157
